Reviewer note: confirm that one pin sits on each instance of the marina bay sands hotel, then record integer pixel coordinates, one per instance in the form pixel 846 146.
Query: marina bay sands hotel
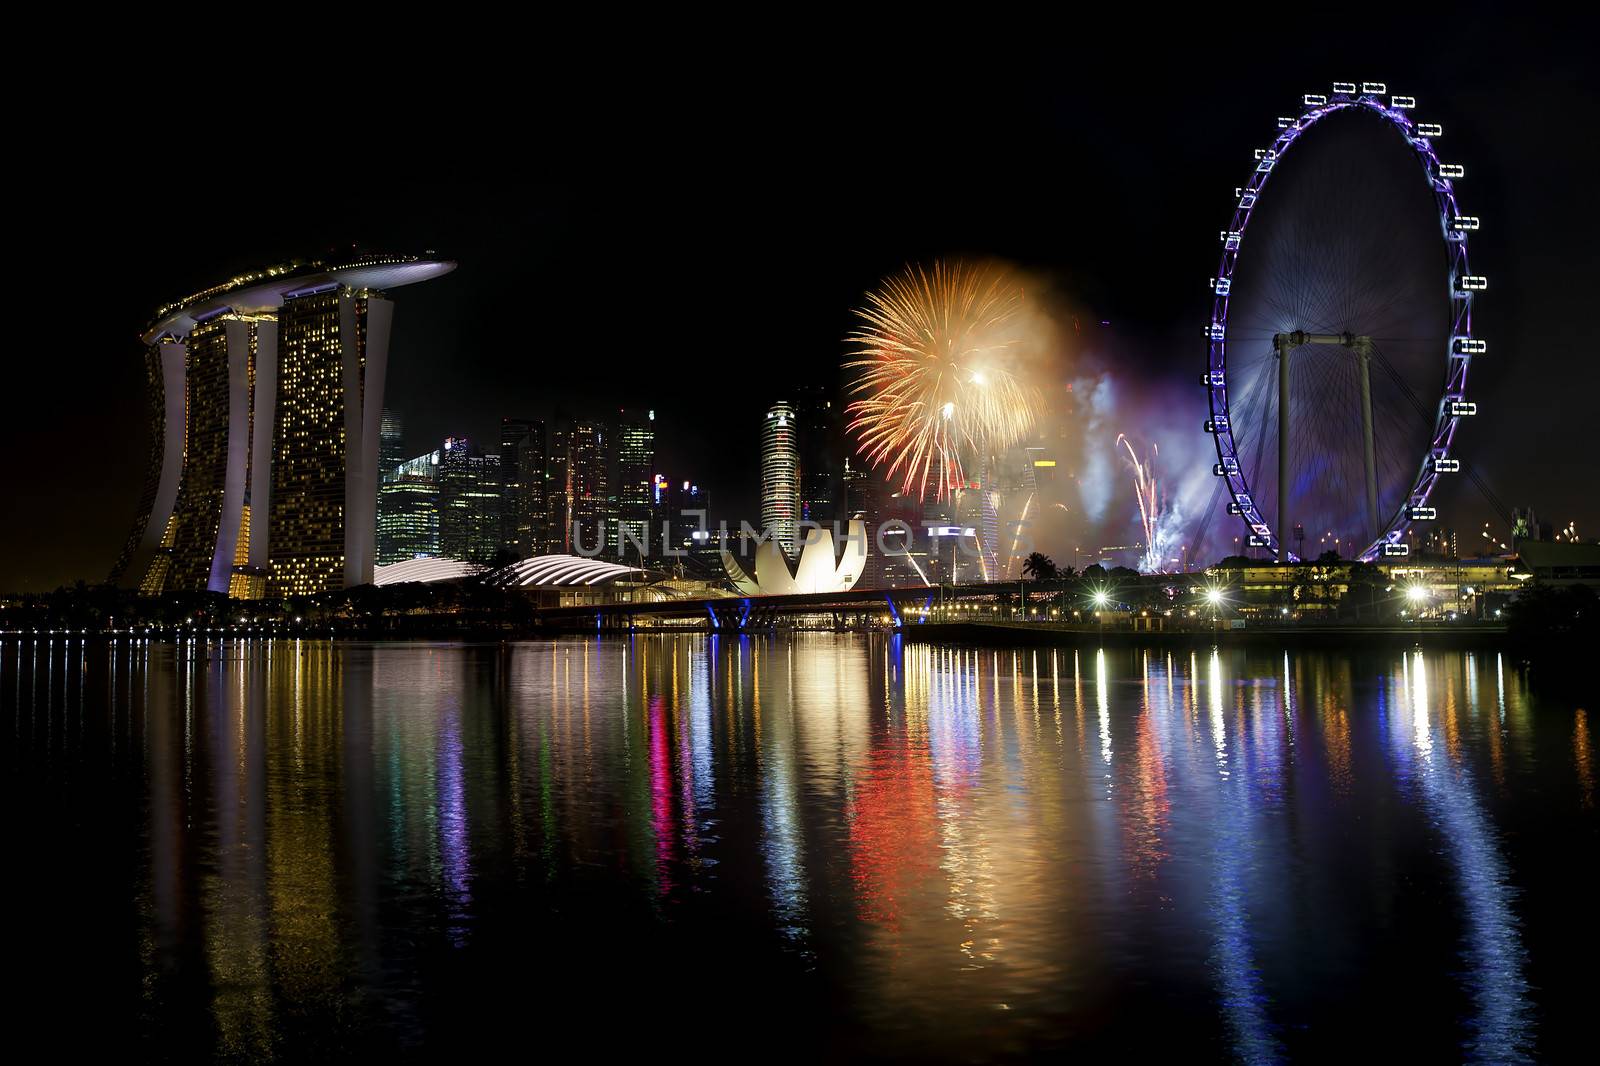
pixel 265 395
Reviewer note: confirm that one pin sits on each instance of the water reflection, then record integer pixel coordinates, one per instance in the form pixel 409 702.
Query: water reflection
pixel 1491 945
pixel 963 853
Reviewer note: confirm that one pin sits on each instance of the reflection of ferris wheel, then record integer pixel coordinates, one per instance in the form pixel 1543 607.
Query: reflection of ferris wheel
pixel 1323 345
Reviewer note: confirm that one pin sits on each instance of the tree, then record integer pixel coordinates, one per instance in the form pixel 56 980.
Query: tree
pixel 1040 567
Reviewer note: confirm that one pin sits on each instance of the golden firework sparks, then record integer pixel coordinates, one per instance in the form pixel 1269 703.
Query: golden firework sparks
pixel 936 364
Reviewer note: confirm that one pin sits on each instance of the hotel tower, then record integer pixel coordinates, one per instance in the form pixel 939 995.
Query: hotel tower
pixel 265 401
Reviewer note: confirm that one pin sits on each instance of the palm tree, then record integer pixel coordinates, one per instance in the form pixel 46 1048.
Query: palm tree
pixel 1040 567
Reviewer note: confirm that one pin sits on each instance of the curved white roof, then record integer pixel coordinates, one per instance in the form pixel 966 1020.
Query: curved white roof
pixel 567 570
pixel 266 289
pixel 426 571
pixel 815 572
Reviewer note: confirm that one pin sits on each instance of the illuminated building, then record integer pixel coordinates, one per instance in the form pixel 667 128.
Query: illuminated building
pixel 391 444
pixel 780 477
pixel 860 499
pixel 265 393
pixel 469 502
pixel 579 486
pixel 408 511
pixel 816 570
pixel 524 472
pixel 906 552
pixel 1440 543
pixel 685 530
pixel 635 485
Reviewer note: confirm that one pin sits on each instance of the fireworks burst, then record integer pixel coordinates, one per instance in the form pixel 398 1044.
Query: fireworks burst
pixel 936 358
pixel 1150 515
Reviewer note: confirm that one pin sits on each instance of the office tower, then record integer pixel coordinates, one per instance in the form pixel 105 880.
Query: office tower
pixel 977 509
pixel 684 527
pixel 266 393
pixel 391 444
pixel 820 447
pixel 524 471
pixel 635 489
pixel 408 511
pixel 780 477
pixel 859 498
pixel 580 461
pixel 469 503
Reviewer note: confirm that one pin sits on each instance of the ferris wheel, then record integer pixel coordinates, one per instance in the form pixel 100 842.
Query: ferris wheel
pixel 1337 351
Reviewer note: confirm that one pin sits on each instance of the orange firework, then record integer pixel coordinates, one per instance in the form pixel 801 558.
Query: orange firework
pixel 935 361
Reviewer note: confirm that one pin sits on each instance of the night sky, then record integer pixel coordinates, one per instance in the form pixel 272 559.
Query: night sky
pixel 694 243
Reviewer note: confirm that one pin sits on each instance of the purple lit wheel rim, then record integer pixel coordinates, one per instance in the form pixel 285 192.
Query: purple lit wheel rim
pixel 1458 348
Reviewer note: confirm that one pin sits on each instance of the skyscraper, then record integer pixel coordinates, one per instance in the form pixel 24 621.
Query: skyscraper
pixel 635 486
pixel 859 499
pixel 408 511
pixel 524 475
pixel 819 442
pixel 266 393
pixel 780 477
pixel 469 503
pixel 391 444
pixel 580 461
pixel 684 532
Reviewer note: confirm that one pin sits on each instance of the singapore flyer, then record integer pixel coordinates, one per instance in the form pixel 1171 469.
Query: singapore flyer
pixel 1339 343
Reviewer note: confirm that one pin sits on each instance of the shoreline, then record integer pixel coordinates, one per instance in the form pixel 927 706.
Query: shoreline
pixel 1046 634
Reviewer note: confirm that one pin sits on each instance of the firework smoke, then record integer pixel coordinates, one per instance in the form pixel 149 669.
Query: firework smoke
pixel 937 363
pixel 1097 406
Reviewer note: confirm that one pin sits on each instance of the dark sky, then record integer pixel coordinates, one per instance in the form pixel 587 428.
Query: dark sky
pixel 692 240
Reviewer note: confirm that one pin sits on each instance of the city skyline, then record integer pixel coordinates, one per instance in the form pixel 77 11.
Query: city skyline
pixel 1111 209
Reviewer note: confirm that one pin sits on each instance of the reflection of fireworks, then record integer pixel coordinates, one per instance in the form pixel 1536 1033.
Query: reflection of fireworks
pixel 1144 483
pixel 935 357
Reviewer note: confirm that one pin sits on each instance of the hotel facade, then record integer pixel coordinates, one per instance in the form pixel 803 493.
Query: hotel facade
pixel 265 398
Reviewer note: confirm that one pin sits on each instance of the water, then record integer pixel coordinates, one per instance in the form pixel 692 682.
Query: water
pixel 785 847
